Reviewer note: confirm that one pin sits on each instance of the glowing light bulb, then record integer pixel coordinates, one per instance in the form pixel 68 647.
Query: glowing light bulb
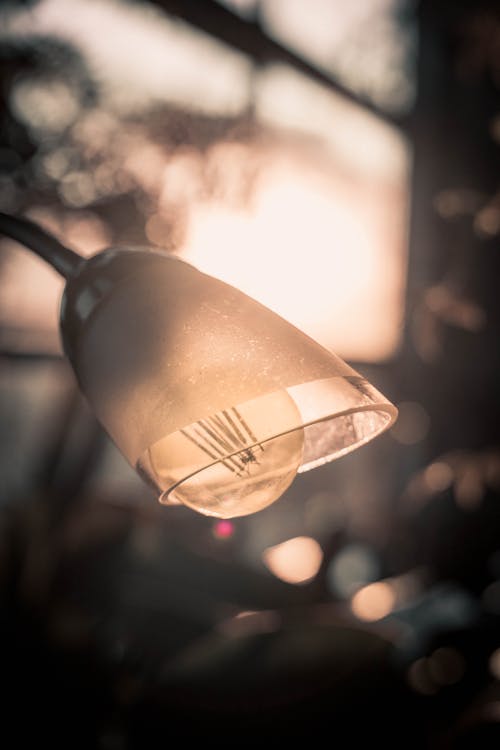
pixel 228 464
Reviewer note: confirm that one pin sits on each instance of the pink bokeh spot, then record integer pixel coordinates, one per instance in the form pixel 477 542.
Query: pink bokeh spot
pixel 223 529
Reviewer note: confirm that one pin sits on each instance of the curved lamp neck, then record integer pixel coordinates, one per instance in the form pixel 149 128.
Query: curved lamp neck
pixel 65 261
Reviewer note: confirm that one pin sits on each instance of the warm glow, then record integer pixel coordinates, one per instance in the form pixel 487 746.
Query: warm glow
pixel 308 216
pixel 234 462
pixel 294 561
pixel 310 245
pixel 373 601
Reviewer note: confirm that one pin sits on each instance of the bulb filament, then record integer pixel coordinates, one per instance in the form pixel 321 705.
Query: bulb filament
pixel 223 433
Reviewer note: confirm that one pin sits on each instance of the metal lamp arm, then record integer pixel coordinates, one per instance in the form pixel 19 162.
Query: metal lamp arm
pixel 64 260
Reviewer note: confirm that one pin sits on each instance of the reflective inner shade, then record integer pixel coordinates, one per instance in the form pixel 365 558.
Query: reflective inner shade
pixel 334 437
pixel 240 460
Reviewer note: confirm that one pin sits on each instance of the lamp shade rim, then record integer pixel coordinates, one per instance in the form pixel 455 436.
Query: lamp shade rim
pixel 388 409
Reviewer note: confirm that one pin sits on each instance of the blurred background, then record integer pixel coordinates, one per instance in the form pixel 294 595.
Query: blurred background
pixel 340 163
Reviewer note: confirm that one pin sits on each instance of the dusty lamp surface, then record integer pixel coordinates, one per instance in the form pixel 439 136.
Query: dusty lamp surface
pixel 217 401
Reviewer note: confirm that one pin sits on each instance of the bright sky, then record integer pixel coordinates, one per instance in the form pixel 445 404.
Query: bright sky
pixel 323 239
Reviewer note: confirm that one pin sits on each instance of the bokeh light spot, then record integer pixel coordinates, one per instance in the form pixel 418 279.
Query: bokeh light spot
pixel 49 106
pixel 295 561
pixel 487 222
pixel 438 476
pixel 373 602
pixel 223 529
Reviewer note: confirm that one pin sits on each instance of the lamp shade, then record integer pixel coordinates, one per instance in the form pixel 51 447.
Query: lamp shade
pixel 217 401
